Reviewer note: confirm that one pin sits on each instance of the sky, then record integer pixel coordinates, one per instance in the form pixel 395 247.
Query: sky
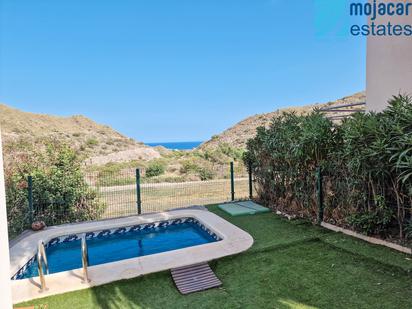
pixel 175 70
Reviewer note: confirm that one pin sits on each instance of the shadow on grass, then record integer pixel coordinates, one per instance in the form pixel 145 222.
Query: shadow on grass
pixel 158 291
pixel 302 274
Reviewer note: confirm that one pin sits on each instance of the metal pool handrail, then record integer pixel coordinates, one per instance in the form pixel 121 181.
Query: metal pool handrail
pixel 42 259
pixel 85 259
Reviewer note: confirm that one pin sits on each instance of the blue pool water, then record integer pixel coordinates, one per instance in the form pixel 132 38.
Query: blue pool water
pixel 105 247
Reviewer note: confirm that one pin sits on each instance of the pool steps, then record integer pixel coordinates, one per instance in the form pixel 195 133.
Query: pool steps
pixel 195 278
pixel 42 259
pixel 85 259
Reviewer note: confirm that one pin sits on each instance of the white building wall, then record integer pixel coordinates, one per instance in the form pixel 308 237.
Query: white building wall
pixel 5 289
pixel 389 64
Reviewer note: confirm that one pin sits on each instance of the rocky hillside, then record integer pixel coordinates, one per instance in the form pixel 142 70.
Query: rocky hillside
pixel 94 141
pixel 237 135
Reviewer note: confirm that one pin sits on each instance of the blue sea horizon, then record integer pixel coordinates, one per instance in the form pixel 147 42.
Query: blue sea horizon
pixel 177 145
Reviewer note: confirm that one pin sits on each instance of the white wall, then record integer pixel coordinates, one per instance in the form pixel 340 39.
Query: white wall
pixel 389 64
pixel 5 290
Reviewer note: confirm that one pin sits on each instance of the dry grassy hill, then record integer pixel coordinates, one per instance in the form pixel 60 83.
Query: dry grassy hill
pixel 100 144
pixel 237 135
pixel 94 141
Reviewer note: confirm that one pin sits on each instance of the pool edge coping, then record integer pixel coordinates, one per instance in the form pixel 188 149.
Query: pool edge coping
pixel 234 240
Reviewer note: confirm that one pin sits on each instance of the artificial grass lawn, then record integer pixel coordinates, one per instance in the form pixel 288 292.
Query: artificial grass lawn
pixel 291 265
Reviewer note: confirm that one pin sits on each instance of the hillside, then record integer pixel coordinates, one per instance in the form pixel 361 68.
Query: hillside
pixel 100 144
pixel 94 141
pixel 237 135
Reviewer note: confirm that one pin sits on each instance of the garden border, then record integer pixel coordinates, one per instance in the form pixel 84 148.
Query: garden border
pixel 372 240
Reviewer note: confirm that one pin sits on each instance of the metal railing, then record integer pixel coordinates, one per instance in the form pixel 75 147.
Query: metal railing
pixel 85 259
pixel 42 260
pixel 343 111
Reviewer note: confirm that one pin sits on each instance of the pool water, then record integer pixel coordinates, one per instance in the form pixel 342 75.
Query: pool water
pixel 65 256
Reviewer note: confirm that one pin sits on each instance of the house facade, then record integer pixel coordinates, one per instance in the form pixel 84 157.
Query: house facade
pixel 388 63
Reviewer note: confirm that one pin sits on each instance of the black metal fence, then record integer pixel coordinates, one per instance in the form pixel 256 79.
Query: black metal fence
pixel 385 218
pixel 102 195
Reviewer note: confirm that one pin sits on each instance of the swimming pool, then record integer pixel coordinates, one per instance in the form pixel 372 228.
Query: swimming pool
pixel 121 248
pixel 64 253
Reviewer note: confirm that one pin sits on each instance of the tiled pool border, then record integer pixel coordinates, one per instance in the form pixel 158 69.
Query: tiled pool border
pixel 148 227
pixel 233 241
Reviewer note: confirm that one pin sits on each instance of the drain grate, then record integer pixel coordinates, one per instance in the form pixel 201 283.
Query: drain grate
pixel 195 278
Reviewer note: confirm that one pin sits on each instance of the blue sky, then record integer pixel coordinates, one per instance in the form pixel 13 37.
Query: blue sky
pixel 175 70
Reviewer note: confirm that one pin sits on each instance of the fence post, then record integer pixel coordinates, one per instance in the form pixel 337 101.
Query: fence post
pixel 250 181
pixel 139 201
pixel 30 197
pixel 319 193
pixel 232 181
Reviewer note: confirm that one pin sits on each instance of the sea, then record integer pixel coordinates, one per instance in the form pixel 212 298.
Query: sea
pixel 177 145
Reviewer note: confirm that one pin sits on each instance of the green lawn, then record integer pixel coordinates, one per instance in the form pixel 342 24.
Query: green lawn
pixel 291 265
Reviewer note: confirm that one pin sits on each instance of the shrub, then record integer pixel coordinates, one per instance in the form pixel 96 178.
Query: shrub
pixel 92 142
pixel 372 222
pixel 189 166
pixel 232 152
pixel 60 193
pixel 366 162
pixel 222 154
pixel 205 173
pixel 155 169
